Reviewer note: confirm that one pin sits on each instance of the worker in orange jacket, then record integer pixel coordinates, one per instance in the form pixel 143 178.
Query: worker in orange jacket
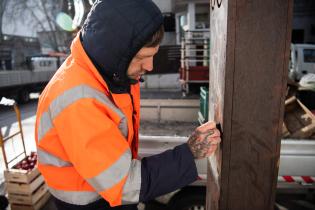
pixel 87 120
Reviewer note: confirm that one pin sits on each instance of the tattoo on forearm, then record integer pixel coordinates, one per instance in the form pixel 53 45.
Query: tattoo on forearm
pixel 198 143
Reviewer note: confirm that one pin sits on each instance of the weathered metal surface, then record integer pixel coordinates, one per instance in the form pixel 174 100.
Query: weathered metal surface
pixel 249 54
pixel 218 40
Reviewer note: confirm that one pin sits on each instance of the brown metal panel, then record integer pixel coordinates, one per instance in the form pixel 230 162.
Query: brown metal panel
pixel 250 43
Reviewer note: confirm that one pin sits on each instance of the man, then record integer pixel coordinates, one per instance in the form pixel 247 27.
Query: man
pixel 88 116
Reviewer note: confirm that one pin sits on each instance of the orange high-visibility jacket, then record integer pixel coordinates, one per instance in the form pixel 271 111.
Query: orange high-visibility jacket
pixel 88 136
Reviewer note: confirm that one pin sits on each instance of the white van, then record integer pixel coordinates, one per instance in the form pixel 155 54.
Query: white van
pixel 302 60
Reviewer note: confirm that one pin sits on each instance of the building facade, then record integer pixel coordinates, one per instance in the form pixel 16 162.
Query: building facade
pixel 14 51
pixel 303 27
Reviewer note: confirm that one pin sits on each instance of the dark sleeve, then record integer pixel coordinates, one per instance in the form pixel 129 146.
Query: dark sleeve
pixel 167 172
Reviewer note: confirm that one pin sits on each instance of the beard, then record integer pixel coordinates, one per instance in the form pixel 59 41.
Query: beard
pixel 137 74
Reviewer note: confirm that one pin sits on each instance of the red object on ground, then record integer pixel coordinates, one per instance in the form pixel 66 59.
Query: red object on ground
pixel 28 163
pixel 25 166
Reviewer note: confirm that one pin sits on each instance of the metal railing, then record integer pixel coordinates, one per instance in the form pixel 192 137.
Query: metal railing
pixel 195 51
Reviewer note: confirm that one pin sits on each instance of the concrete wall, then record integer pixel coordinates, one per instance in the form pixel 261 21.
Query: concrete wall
pixel 160 110
pixel 161 81
pixel 164 5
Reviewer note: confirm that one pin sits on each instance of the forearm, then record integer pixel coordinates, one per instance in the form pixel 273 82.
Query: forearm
pixel 166 172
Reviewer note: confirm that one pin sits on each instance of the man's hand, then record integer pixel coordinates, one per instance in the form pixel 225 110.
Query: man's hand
pixel 204 140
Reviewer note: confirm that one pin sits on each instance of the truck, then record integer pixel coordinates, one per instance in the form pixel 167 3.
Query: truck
pixel 302 60
pixel 297 155
pixel 297 171
pixel 18 84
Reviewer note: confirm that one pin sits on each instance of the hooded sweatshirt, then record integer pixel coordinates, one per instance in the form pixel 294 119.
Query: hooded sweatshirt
pixel 114 32
pixel 83 145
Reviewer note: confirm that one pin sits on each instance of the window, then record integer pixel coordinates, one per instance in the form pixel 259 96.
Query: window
pixel 309 55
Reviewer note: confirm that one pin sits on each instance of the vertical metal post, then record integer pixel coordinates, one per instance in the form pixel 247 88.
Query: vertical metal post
pixel 191 16
pixel 249 54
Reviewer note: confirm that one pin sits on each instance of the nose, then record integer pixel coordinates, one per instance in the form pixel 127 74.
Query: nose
pixel 148 64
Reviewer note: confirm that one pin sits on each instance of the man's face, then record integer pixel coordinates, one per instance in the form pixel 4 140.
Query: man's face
pixel 142 62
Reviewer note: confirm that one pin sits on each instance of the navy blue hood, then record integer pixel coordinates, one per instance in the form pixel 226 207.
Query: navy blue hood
pixel 112 34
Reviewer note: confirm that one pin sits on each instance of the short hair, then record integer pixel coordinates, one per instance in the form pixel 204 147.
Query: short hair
pixel 156 39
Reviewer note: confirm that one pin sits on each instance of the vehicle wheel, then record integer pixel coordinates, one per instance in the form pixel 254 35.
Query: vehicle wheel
pixel 189 201
pixel 24 96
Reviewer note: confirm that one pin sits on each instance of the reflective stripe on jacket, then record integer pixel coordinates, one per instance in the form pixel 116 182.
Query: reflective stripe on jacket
pixel 87 138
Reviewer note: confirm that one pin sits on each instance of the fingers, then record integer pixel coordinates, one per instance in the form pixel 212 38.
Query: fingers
pixel 214 140
pixel 215 133
pixel 204 140
pixel 206 126
pixel 210 134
